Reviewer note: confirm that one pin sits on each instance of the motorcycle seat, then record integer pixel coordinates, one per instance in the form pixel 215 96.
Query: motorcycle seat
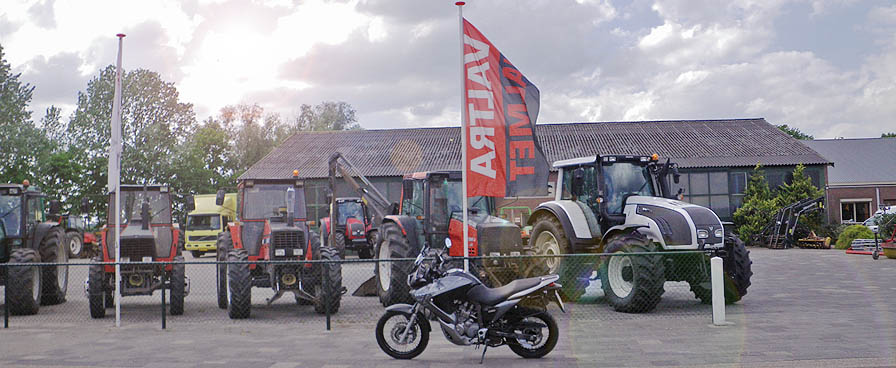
pixel 491 296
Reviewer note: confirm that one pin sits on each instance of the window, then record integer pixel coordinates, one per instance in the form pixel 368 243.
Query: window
pixel 853 210
pixel 699 183
pixel 738 183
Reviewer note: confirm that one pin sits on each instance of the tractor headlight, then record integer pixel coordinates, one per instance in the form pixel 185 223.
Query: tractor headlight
pixel 719 233
pixel 147 259
pixel 297 251
pixel 702 234
pixel 125 259
pixel 279 252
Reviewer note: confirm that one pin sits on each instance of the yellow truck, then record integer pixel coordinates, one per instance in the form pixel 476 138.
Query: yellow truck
pixel 206 221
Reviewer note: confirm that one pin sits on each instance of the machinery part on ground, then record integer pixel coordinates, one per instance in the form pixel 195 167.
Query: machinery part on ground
pixel 392 276
pixel 632 282
pixel 780 232
pixel 328 292
pixel 239 282
pixel 178 282
pixel 24 283
pixel 54 282
pixel 96 289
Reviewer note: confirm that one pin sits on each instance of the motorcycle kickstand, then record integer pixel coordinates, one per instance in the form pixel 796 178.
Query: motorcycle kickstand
pixel 482 358
pixel 483 334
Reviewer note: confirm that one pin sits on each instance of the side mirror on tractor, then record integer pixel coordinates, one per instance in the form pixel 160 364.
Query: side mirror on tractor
pixel 219 197
pixel 578 182
pixel 190 202
pixel 675 175
pixel 85 205
pixel 144 215
pixel 55 207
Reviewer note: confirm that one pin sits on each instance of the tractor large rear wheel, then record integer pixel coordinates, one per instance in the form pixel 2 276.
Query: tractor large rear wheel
pixel 329 290
pixel 391 277
pixel 240 285
pixel 178 284
pixel 97 296
pixel 54 282
pixel 550 242
pixel 23 284
pixel 223 245
pixel 632 282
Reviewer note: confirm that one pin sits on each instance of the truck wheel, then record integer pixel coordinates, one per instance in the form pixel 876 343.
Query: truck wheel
pixel 329 292
pixel 178 282
pixel 392 276
pixel 75 242
pixel 54 282
pixel 339 244
pixel 632 283
pixel 24 283
pixel 196 253
pixel 96 294
pixel 239 284
pixel 222 246
pixel 550 241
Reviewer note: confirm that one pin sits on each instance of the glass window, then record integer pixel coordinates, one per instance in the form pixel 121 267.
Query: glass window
pixel 854 211
pixel 738 184
pixel 775 180
pixel 699 183
pixel 10 209
pixel 412 205
pixel 266 201
pixel 682 184
pixel 736 202
pixel 718 183
pixel 132 206
pixel 622 180
pixel 204 222
pixel 720 205
pixel 700 200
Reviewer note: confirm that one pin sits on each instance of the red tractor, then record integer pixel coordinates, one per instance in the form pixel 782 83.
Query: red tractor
pixel 271 226
pixel 353 228
pixel 146 236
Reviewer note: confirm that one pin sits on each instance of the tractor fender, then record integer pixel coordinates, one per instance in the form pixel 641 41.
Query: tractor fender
pixel 571 217
pixel 40 231
pixel 408 226
pixel 619 229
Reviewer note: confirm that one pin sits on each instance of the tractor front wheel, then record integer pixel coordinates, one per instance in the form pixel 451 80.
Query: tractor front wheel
pixel 329 290
pixel 96 294
pixel 23 284
pixel 54 282
pixel 736 273
pixel 75 242
pixel 550 243
pixel 632 282
pixel 240 285
pixel 178 282
pixel 392 276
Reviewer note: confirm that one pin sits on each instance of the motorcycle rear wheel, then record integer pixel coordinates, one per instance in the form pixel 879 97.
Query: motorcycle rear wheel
pixel 543 345
pixel 388 334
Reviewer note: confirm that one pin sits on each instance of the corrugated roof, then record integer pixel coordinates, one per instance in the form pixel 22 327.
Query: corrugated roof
pixel 858 161
pixel 690 143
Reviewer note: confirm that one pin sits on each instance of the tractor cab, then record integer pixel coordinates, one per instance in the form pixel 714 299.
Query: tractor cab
pixel 353 227
pixel 147 233
pixel 23 217
pixel 271 219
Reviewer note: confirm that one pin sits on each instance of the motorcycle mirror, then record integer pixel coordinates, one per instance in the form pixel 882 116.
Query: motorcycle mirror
pixel 55 207
pixel 85 205
pixel 190 203
pixel 578 182
pixel 144 215
pixel 290 204
pixel 219 197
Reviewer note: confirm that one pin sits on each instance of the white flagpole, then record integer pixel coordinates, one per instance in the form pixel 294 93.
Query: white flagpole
pixel 463 132
pixel 115 159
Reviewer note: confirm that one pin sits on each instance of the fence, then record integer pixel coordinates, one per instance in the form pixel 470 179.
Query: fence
pixel 665 284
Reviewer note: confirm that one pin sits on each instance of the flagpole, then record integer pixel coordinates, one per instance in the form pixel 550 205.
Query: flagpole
pixel 463 134
pixel 116 144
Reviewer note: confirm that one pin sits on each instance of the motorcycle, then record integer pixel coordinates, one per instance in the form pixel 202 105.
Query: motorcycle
pixel 470 313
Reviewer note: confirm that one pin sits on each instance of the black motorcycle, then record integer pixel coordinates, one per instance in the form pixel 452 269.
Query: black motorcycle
pixel 470 313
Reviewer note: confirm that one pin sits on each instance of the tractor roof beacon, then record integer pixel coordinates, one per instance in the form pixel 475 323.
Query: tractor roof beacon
pixel 26 236
pixel 623 204
pixel 271 225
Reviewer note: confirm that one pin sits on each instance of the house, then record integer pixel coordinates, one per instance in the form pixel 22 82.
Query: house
pixel 862 179
pixel 715 157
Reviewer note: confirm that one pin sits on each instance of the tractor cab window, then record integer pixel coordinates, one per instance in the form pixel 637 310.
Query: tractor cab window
pixel 349 209
pixel 35 210
pixel 10 208
pixel 623 180
pixel 446 202
pixel 412 201
pixel 589 187
pixel 266 201
pixel 132 207
pixel 204 222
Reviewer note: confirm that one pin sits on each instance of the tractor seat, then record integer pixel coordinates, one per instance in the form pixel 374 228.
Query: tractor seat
pixel 488 296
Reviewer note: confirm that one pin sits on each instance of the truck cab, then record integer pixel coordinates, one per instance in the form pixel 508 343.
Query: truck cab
pixel 206 220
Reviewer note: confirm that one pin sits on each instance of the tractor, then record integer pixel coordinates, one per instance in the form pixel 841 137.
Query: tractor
pixel 27 237
pixel 147 236
pixel 271 226
pixel 353 228
pixel 430 213
pixel 621 205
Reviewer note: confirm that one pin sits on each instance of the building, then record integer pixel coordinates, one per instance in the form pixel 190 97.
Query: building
pixel 715 157
pixel 862 179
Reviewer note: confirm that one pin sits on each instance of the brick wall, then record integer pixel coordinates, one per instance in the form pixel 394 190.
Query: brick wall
pixel 836 195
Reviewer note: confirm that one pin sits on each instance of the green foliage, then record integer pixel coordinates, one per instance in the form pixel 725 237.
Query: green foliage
pixel 328 115
pixel 795 133
pixel 888 135
pixel 887 223
pixel 758 206
pixel 851 233
pixel 20 140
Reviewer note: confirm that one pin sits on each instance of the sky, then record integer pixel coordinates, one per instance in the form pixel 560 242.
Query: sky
pixel 827 68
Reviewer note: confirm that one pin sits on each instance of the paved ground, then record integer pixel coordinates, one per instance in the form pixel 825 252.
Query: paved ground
pixel 805 308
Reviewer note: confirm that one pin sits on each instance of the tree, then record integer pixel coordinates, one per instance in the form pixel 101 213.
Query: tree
pixel 206 163
pixel 252 133
pixel 798 189
pixel 888 135
pixel 758 206
pixel 20 140
pixel 328 115
pixel 795 133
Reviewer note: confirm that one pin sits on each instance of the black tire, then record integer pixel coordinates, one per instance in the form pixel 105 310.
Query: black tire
pixel 110 299
pixel 642 276
pixel 24 284
pixel 422 331
pixel 54 279
pixel 329 291
pixel 393 245
pixel 222 246
pixel 549 239
pixel 239 281
pixel 339 243
pixel 196 253
pixel 74 242
pixel 97 294
pixel 372 240
pixel 737 271
pixel 178 283
pixel 549 344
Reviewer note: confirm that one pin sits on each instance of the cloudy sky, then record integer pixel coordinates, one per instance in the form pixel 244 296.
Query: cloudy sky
pixel 826 67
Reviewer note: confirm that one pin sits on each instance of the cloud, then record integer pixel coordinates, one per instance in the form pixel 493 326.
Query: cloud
pixel 42 14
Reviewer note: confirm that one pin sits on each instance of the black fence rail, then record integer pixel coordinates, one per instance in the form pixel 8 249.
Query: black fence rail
pixel 595 287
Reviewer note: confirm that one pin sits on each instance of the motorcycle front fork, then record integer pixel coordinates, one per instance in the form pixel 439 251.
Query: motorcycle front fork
pixel 411 321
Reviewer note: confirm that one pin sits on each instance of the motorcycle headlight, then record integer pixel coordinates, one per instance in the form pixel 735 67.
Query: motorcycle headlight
pixel 702 234
pixel 719 233
pixel 279 252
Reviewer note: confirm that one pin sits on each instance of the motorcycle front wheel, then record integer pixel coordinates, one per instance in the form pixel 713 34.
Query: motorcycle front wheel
pixel 391 328
pixel 543 329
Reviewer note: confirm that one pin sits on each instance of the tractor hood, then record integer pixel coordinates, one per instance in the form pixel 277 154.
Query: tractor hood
pixel 660 202
pixel 137 244
pixel 680 225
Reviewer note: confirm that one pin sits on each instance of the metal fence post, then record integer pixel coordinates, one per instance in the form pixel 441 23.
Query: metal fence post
pixel 325 290
pixel 164 281
pixel 6 297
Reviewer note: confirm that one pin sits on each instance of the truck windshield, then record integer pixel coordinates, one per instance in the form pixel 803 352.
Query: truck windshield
pixel 9 214
pixel 624 179
pixel 204 222
pixel 265 201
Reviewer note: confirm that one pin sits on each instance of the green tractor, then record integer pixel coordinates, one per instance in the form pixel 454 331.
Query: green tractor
pixel 27 237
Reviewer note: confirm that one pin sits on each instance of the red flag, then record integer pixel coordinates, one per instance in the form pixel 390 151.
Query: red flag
pixel 504 158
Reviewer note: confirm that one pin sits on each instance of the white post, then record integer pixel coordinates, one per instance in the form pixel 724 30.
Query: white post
pixel 463 132
pixel 116 142
pixel 718 292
